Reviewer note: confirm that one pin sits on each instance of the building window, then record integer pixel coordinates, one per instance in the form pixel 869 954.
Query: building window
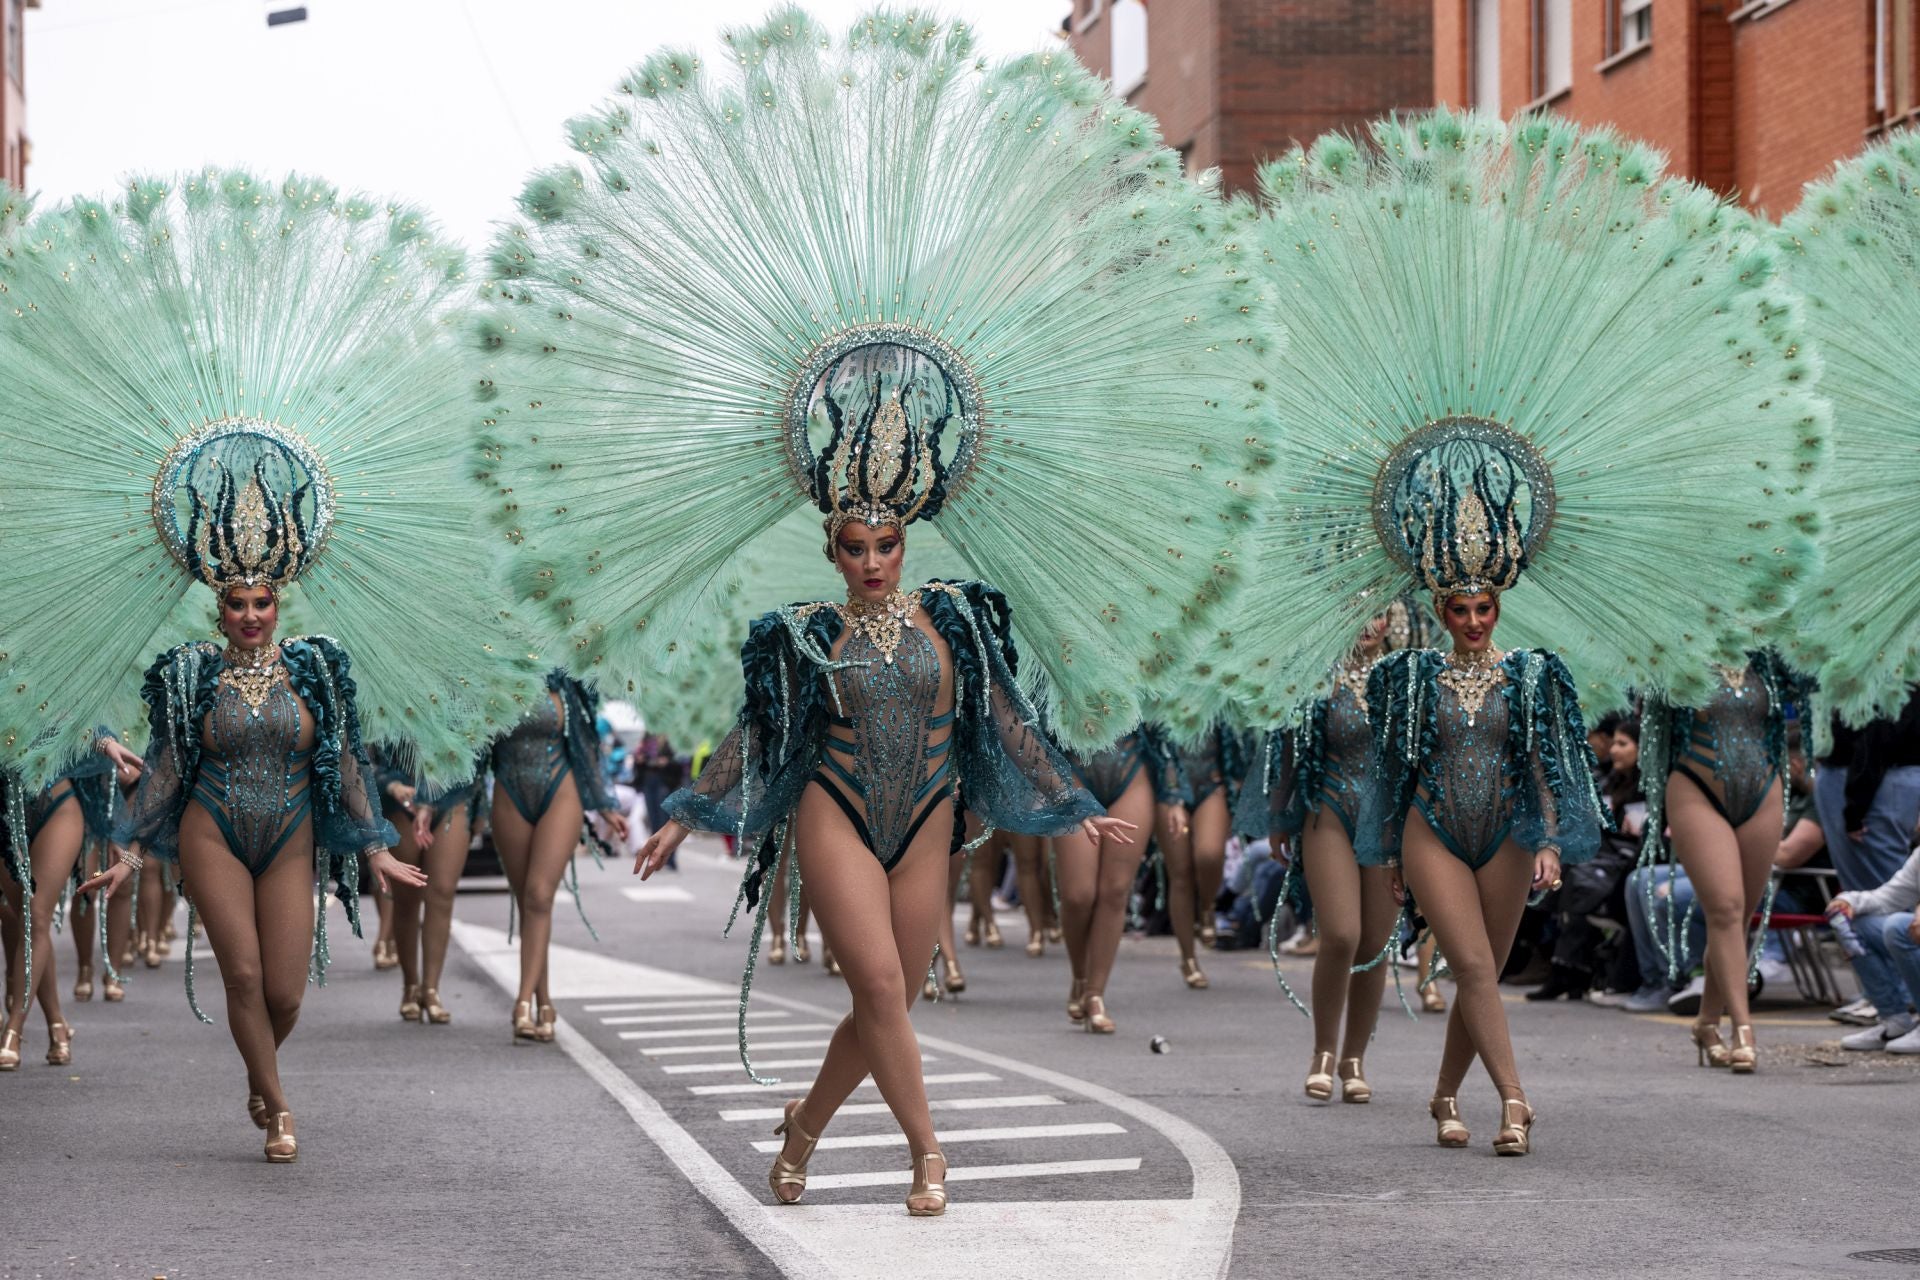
pixel 1552 47
pixel 1486 55
pixel 16 21
pixel 1629 25
pixel 1129 45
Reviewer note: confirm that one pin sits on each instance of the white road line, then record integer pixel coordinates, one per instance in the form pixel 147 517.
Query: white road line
pixel 1008 1133
pixel 629 1006
pixel 801 1086
pixel 981 1173
pixel 683 1033
pixel 631 1019
pixel 880 1108
pixel 659 1051
pixel 651 893
pixel 778 1064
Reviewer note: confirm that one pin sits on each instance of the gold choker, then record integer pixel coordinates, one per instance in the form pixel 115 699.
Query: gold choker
pixel 253 673
pixel 1472 676
pixel 882 622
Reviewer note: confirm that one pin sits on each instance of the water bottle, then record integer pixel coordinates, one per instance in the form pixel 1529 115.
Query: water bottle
pixel 1842 926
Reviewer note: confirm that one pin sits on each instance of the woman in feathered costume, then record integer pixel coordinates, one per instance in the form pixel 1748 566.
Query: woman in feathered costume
pixel 1313 782
pixel 1514 348
pixel 42 842
pixel 885 279
pixel 242 384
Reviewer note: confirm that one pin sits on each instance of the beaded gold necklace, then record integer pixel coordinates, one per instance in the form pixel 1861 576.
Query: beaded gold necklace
pixel 1471 677
pixel 883 622
pixel 252 673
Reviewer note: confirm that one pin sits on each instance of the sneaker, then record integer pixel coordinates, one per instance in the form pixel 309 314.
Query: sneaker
pixel 1860 1013
pixel 1607 999
pixel 1648 1000
pixel 1908 1043
pixel 1775 972
pixel 1877 1037
pixel 1686 1001
pixel 1302 943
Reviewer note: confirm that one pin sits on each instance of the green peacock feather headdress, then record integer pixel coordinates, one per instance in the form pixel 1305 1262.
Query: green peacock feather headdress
pixel 1520 358
pixel 1852 249
pixel 879 277
pixel 224 379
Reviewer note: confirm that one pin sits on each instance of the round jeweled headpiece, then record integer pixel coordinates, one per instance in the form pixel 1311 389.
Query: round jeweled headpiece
pixel 243 502
pixel 882 425
pixel 1463 503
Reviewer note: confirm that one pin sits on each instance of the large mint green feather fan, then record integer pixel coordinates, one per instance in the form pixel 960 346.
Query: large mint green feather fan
pixel 1621 337
pixel 663 303
pixel 1852 249
pixel 198 306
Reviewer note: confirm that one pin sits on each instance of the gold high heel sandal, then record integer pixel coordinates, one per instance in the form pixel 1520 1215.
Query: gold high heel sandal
pixel 1097 1020
pixel 59 1047
pixel 1514 1138
pixel 777 947
pixel 282 1146
pixel 930 989
pixel 1054 935
pixel 925 1188
pixel 410 1004
pixel 1320 1078
pixel 1353 1085
pixel 973 932
pixel 543 1030
pixel 1208 934
pixel 1706 1039
pixel 257 1110
pixel 800 952
pixel 956 980
pixel 831 965
pixel 990 934
pixel 524 1032
pixel 1432 1001
pixel 1077 1001
pixel 791 1173
pixel 1744 1056
pixel 9 1050
pixel 434 1011
pixel 386 955
pixel 112 990
pixel 1190 970
pixel 150 953
pixel 83 984
pixel 1446 1115
pixel 1036 944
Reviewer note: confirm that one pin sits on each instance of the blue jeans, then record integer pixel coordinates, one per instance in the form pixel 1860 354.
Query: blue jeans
pixel 1889 972
pixel 1677 898
pixel 1869 863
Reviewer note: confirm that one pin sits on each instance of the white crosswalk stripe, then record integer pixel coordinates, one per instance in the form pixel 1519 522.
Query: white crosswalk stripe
pixel 726 1034
pixel 737 1114
pixel 978 1173
pixel 660 1051
pixel 1006 1133
pixel 801 1086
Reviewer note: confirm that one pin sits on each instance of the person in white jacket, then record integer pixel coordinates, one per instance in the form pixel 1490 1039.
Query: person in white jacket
pixel 1889 961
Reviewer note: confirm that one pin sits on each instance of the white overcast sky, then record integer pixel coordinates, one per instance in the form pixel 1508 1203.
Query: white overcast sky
pixel 447 103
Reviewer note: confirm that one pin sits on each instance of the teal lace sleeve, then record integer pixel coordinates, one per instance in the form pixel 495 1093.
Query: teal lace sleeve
pixel 1268 789
pixel 581 735
pixel 1165 770
pixel 1400 711
pixel 1558 804
pixel 1013 776
pixel 346 811
pixel 178 690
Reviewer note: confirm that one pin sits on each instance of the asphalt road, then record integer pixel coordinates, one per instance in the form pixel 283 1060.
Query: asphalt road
pixel 636 1147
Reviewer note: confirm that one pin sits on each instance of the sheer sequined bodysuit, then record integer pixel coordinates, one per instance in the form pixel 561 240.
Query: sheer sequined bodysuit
pixel 1345 757
pixel 1108 774
pixel 254 774
pixel 1464 792
pixel 886 762
pixel 530 763
pixel 1727 740
pixel 1200 763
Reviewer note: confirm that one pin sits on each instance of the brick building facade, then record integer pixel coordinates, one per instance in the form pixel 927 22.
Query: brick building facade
pixel 1235 82
pixel 13 90
pixel 1754 98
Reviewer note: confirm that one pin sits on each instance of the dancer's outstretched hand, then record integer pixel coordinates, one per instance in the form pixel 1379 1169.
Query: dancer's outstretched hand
pixel 659 847
pixel 618 821
pixel 1097 829
pixel 126 765
pixel 389 871
pixel 111 879
pixel 423 827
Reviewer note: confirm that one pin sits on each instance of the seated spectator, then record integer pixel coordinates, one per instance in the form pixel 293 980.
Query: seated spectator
pixel 1652 923
pixel 1592 887
pixel 1886 937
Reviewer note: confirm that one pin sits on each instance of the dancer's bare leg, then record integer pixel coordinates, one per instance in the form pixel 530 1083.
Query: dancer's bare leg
pixel 1729 870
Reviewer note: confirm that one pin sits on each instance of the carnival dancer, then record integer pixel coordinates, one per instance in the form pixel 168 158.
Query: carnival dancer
pixel 1460 294
pixel 244 384
pixel 892 337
